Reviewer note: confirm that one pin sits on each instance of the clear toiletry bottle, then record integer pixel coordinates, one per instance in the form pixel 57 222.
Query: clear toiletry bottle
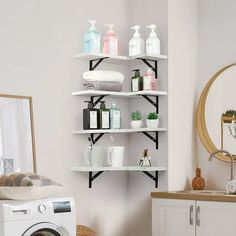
pixel 136 81
pixel 110 41
pixel 153 42
pixel 149 81
pixel 92 39
pixel 104 116
pixel 115 116
pixel 136 44
pixel 90 117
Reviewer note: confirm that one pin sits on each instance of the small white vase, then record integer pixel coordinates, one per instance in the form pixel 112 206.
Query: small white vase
pixel 152 124
pixel 136 124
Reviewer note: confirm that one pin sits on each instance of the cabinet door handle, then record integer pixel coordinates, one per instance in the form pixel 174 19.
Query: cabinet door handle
pixel 191 215
pixel 198 216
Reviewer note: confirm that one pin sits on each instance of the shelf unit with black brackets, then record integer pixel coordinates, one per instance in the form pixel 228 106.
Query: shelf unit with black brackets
pixel 96 96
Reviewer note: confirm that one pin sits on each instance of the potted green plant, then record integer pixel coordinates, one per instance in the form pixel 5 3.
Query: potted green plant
pixel 229 114
pixel 136 120
pixel 152 120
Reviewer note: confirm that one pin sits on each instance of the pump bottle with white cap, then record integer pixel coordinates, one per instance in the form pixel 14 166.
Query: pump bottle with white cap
pixel 136 44
pixel 110 41
pixel 153 42
pixel 92 39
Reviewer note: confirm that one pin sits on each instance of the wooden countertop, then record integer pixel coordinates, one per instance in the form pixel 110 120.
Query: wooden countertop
pixel 201 195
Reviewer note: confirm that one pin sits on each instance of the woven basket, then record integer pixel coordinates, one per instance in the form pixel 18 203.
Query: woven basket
pixel 82 230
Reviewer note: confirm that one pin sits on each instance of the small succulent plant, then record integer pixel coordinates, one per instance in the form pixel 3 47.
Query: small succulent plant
pixel 152 116
pixel 136 115
pixel 229 113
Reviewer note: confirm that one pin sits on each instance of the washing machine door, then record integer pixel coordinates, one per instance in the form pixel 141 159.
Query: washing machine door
pixel 45 229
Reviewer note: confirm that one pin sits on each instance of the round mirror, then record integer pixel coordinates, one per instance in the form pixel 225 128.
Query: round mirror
pixel 216 113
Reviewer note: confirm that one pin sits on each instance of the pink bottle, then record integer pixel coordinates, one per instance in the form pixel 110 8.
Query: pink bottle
pixel 110 41
pixel 149 81
pixel 154 83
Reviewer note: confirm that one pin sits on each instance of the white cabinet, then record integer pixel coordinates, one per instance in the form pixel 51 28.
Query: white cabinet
pixel 172 217
pixel 216 218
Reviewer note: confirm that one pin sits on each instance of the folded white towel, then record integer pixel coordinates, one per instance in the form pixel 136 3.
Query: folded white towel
pixel 102 86
pixel 103 76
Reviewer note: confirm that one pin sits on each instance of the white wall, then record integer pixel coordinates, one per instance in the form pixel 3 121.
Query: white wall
pixel 38 40
pixel 216 49
pixel 140 186
pixel 182 69
pixel 177 28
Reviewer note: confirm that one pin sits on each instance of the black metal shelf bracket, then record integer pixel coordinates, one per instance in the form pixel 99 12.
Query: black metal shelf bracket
pixel 99 98
pixel 94 140
pixel 153 177
pixel 93 64
pixel 93 177
pixel 154 139
pixel 155 104
pixel 148 63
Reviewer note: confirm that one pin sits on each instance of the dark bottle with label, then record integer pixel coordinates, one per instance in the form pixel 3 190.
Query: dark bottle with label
pixel 90 117
pixel 136 81
pixel 104 116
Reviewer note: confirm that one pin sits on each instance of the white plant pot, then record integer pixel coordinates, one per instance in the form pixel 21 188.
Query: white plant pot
pixel 152 124
pixel 136 124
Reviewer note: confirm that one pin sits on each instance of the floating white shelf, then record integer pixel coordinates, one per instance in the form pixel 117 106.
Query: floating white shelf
pixel 150 57
pixel 119 94
pixel 113 131
pixel 123 168
pixel 94 172
pixel 118 59
pixel 95 56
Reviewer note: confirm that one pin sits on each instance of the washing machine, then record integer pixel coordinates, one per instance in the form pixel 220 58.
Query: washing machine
pixel 44 217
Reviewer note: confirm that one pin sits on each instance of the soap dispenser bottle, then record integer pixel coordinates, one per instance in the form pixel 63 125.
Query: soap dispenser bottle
pixel 110 41
pixel 115 116
pixel 104 116
pixel 149 81
pixel 90 117
pixel 136 44
pixel 92 39
pixel 136 81
pixel 153 42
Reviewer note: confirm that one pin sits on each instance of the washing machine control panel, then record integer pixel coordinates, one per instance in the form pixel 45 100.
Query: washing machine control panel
pixel 42 208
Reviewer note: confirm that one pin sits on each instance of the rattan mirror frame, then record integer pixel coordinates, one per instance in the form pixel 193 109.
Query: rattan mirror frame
pixel 201 118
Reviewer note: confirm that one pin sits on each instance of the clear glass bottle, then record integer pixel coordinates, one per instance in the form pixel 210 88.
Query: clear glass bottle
pixel 115 116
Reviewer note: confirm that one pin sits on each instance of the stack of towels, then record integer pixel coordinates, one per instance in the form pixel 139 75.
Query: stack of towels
pixel 103 80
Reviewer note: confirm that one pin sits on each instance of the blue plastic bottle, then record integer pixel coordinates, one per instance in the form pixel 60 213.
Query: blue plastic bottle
pixel 92 39
pixel 115 117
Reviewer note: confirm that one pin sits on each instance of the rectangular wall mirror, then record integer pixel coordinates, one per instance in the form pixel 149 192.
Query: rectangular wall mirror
pixel 17 141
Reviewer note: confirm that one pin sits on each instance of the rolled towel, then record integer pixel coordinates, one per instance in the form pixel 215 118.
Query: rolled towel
pixel 103 86
pixel 104 76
